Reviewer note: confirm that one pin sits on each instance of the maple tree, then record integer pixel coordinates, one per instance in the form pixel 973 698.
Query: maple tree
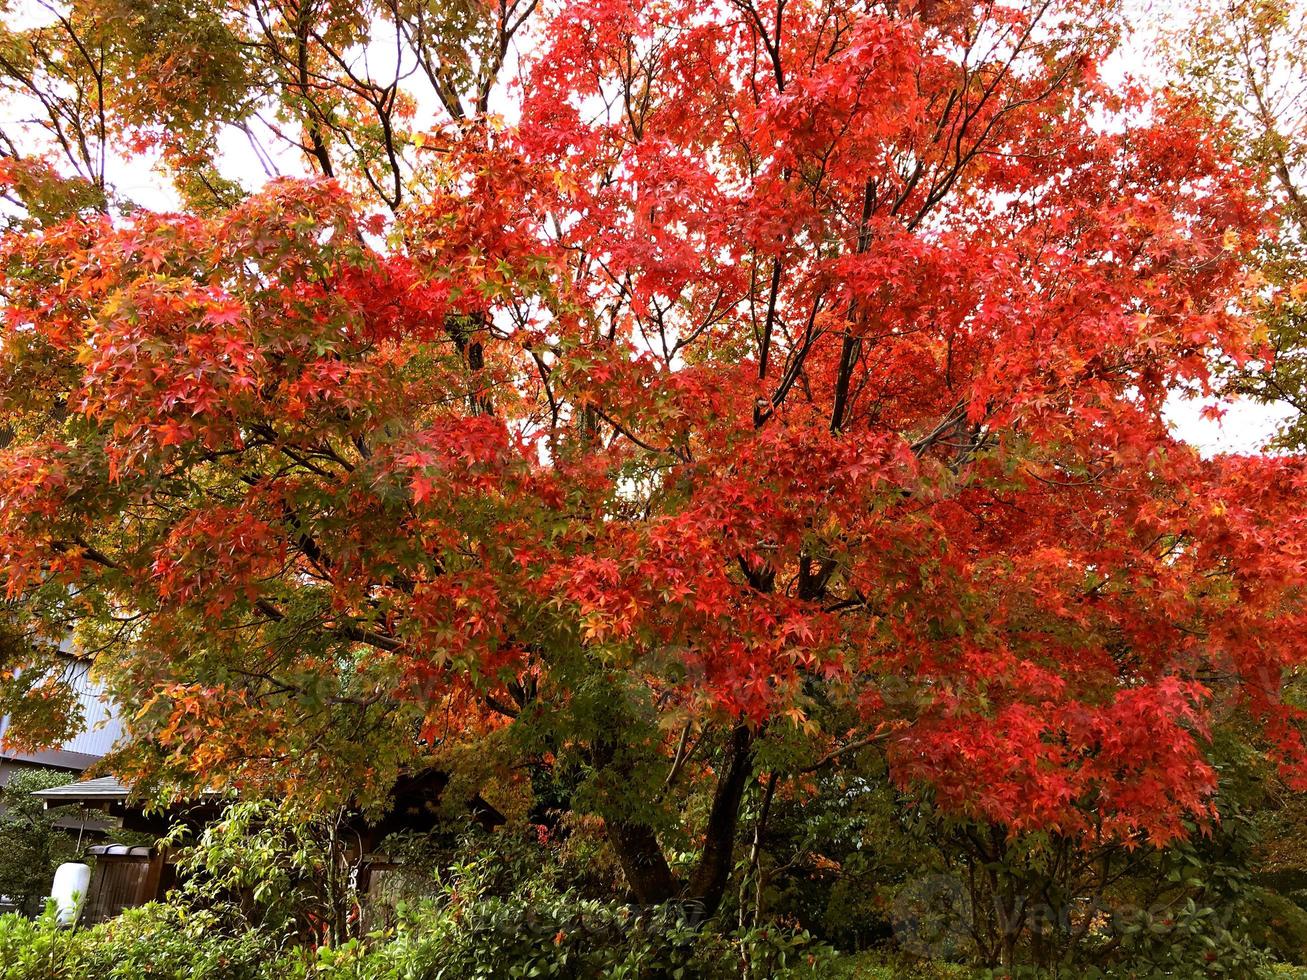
pixel 1244 62
pixel 756 383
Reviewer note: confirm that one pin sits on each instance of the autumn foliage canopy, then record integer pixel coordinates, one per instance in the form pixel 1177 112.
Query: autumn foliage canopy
pixel 768 379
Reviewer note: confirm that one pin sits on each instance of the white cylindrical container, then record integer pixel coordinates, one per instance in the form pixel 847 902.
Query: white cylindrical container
pixel 69 891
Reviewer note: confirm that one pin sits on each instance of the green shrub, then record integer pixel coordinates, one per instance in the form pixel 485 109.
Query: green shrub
pixel 162 942
pixel 1278 924
pixel 544 934
pixel 268 870
pixel 33 949
pixel 1188 940
pixel 172 943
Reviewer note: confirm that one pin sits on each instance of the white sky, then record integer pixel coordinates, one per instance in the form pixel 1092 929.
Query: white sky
pixel 1247 425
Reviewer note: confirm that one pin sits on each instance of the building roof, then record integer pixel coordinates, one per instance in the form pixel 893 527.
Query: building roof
pixel 104 788
pixel 54 758
pixel 100 728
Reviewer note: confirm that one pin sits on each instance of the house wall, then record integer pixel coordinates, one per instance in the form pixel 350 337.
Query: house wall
pixel 99 730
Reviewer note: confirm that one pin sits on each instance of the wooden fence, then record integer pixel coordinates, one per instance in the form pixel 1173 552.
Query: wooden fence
pixel 124 877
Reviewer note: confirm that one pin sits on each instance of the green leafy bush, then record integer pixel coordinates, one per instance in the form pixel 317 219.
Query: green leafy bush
pixel 505 911
pixel 158 941
pixel 1278 924
pixel 259 867
pixel 33 949
pixel 1189 940
pixel 541 933
pixel 561 935
pixel 172 943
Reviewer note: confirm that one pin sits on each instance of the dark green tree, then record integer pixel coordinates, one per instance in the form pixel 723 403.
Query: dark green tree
pixel 31 843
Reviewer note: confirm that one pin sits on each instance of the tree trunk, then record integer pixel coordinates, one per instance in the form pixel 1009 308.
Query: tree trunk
pixel 638 851
pixel 641 856
pixel 708 883
pixel 643 863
